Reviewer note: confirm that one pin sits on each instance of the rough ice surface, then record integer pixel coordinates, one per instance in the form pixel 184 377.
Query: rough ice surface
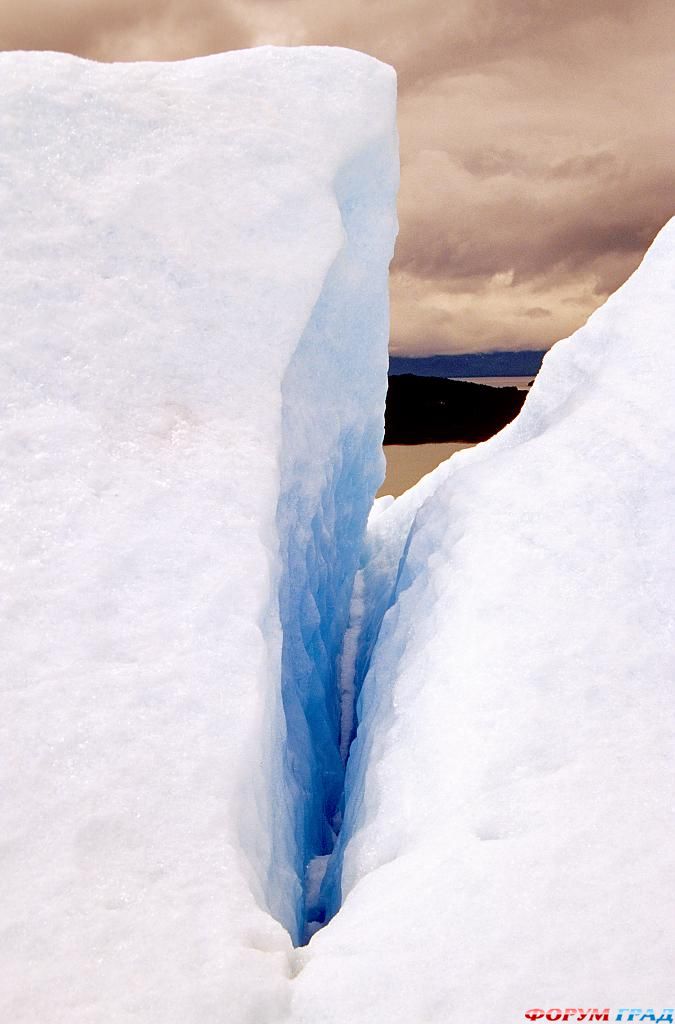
pixel 193 373
pixel 194 352
pixel 507 841
pixel 333 400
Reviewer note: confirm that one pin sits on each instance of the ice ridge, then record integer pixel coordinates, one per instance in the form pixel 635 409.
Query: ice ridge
pixel 194 365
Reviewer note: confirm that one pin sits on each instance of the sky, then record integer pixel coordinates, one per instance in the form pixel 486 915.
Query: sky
pixel 537 138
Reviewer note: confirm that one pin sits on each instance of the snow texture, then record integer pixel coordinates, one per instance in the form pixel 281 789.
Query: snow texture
pixel 507 841
pixel 194 361
pixel 194 311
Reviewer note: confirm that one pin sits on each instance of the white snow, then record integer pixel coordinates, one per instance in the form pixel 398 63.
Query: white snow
pixel 194 349
pixel 194 315
pixel 510 795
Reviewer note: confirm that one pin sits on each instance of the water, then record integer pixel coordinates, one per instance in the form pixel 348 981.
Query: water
pixel 522 383
pixel 408 463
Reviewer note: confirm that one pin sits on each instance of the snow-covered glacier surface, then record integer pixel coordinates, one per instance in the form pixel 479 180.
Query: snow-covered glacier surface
pixel 507 842
pixel 194 313
pixel 194 351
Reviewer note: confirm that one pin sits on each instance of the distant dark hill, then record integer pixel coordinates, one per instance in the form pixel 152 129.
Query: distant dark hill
pixel 421 410
pixel 525 363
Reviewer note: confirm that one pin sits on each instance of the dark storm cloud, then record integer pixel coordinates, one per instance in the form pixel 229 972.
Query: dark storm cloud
pixel 537 138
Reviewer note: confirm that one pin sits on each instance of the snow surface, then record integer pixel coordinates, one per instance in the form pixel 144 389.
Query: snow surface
pixel 194 362
pixel 509 825
pixel 194 354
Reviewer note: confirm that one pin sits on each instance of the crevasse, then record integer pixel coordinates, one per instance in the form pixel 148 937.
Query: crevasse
pixel 332 464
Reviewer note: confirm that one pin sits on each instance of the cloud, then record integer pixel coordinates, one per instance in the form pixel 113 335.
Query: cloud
pixel 122 29
pixel 537 139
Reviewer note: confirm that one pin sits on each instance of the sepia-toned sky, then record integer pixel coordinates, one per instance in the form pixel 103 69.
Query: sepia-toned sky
pixel 537 138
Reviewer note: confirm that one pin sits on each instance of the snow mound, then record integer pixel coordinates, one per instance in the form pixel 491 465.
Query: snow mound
pixel 507 841
pixel 194 313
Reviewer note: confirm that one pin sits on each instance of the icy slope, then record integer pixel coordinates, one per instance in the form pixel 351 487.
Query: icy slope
pixel 193 369
pixel 511 791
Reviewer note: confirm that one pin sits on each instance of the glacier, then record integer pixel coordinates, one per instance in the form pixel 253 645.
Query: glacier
pixel 240 699
pixel 508 829
pixel 194 361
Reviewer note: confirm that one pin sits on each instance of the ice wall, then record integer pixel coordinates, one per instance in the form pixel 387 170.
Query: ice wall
pixel 332 425
pixel 509 824
pixel 193 373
